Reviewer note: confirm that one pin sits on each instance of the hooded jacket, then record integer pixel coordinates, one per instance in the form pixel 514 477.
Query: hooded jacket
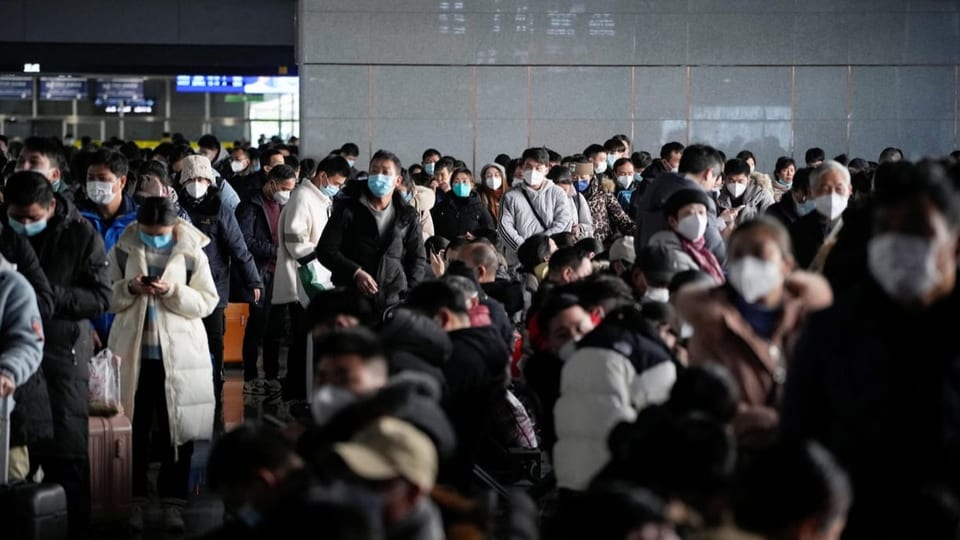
pixel 21 351
pixel 72 256
pixel 518 216
pixel 351 242
pixel 186 361
pixel 491 197
pixel 216 220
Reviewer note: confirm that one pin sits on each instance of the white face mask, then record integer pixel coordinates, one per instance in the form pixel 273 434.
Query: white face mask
pixel 686 330
pixel 657 294
pixel 624 181
pixel 736 189
pixel 100 192
pixel 282 197
pixel 533 177
pixel 754 278
pixel 600 167
pixel 831 206
pixel 568 349
pixel 328 400
pixel 904 265
pixel 197 189
pixel 492 182
pixel 236 166
pixel 692 227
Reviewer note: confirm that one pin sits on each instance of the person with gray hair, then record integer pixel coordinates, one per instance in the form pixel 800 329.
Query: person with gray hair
pixel 814 234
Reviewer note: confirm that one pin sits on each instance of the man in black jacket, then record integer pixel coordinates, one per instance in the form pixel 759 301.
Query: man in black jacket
pixel 72 256
pixel 259 219
pixel 373 241
pixel 876 377
pixel 795 204
pixel 830 189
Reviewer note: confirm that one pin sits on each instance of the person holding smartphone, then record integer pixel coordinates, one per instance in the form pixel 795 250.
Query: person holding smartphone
pixel 162 289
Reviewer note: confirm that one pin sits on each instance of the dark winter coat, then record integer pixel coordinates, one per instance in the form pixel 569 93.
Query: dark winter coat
pixel 351 241
pixel 255 227
pixel 218 222
pixel 456 216
pixel 71 254
pixel 415 342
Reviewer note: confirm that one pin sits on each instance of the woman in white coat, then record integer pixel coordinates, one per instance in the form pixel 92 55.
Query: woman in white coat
pixel 162 289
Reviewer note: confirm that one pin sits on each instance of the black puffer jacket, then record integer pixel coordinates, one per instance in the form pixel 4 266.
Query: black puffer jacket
pixel 72 256
pixel 351 242
pixel 226 245
pixel 415 342
pixel 16 249
pixel 255 227
pixel 456 216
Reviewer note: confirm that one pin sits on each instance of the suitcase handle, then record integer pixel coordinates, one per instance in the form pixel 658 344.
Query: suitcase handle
pixel 6 407
pixel 118 448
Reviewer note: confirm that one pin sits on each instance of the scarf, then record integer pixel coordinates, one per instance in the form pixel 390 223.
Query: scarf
pixel 492 199
pixel 703 257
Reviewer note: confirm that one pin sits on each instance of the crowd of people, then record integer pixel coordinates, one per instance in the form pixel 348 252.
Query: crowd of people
pixel 602 345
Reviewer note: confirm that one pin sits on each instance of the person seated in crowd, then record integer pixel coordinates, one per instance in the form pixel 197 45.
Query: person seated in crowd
pixel 534 255
pixel 622 255
pixel 750 324
pixel 815 234
pixel 567 265
pixel 461 211
pixel 848 367
pixel 482 258
pixel 798 204
pixel 652 273
pixel 686 215
pixel 618 369
pixel 792 491
pixel 740 191
pixel 783 173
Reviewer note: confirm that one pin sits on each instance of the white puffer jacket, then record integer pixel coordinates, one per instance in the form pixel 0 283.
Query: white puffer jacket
pixel 302 221
pixel 183 339
pixel 601 386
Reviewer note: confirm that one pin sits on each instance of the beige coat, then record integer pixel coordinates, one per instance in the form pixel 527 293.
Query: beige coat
pixel 183 340
pixel 302 221
pixel 424 200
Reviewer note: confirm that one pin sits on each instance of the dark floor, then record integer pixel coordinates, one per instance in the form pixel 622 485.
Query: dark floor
pixel 204 511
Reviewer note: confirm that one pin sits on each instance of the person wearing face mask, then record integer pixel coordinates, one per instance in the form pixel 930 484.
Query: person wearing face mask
pixel 201 199
pixel 259 219
pixel 783 173
pixel 535 206
pixel 105 204
pixel 740 191
pixel 617 370
pixel 686 215
pixel 799 203
pixel 163 287
pixel 597 156
pixel 45 156
pixel 699 167
pixel 493 184
pixel 430 158
pixel 852 366
pixel 762 309
pixel 422 198
pixel 607 215
pixel 373 241
pixel 579 209
pixel 461 210
pixel 652 273
pixel 235 168
pixel 814 234
pixel 72 257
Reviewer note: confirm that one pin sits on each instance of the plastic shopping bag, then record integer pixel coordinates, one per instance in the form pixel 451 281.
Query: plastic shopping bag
pixel 104 390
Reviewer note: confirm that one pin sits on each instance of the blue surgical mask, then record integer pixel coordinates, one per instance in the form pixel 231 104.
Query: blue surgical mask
pixel 611 159
pixel 582 185
pixel 56 185
pixel 407 196
pixel 784 184
pixel 806 207
pixel 637 177
pixel 428 168
pixel 27 229
pixel 156 241
pixel 330 190
pixel 461 190
pixel 380 184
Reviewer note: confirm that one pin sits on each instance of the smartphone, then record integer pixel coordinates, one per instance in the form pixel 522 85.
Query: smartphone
pixel 149 280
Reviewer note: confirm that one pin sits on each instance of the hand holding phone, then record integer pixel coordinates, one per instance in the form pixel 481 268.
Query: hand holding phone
pixel 149 280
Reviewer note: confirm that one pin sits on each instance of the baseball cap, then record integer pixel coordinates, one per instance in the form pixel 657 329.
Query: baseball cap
pixel 658 263
pixel 622 249
pixel 197 167
pixel 391 448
